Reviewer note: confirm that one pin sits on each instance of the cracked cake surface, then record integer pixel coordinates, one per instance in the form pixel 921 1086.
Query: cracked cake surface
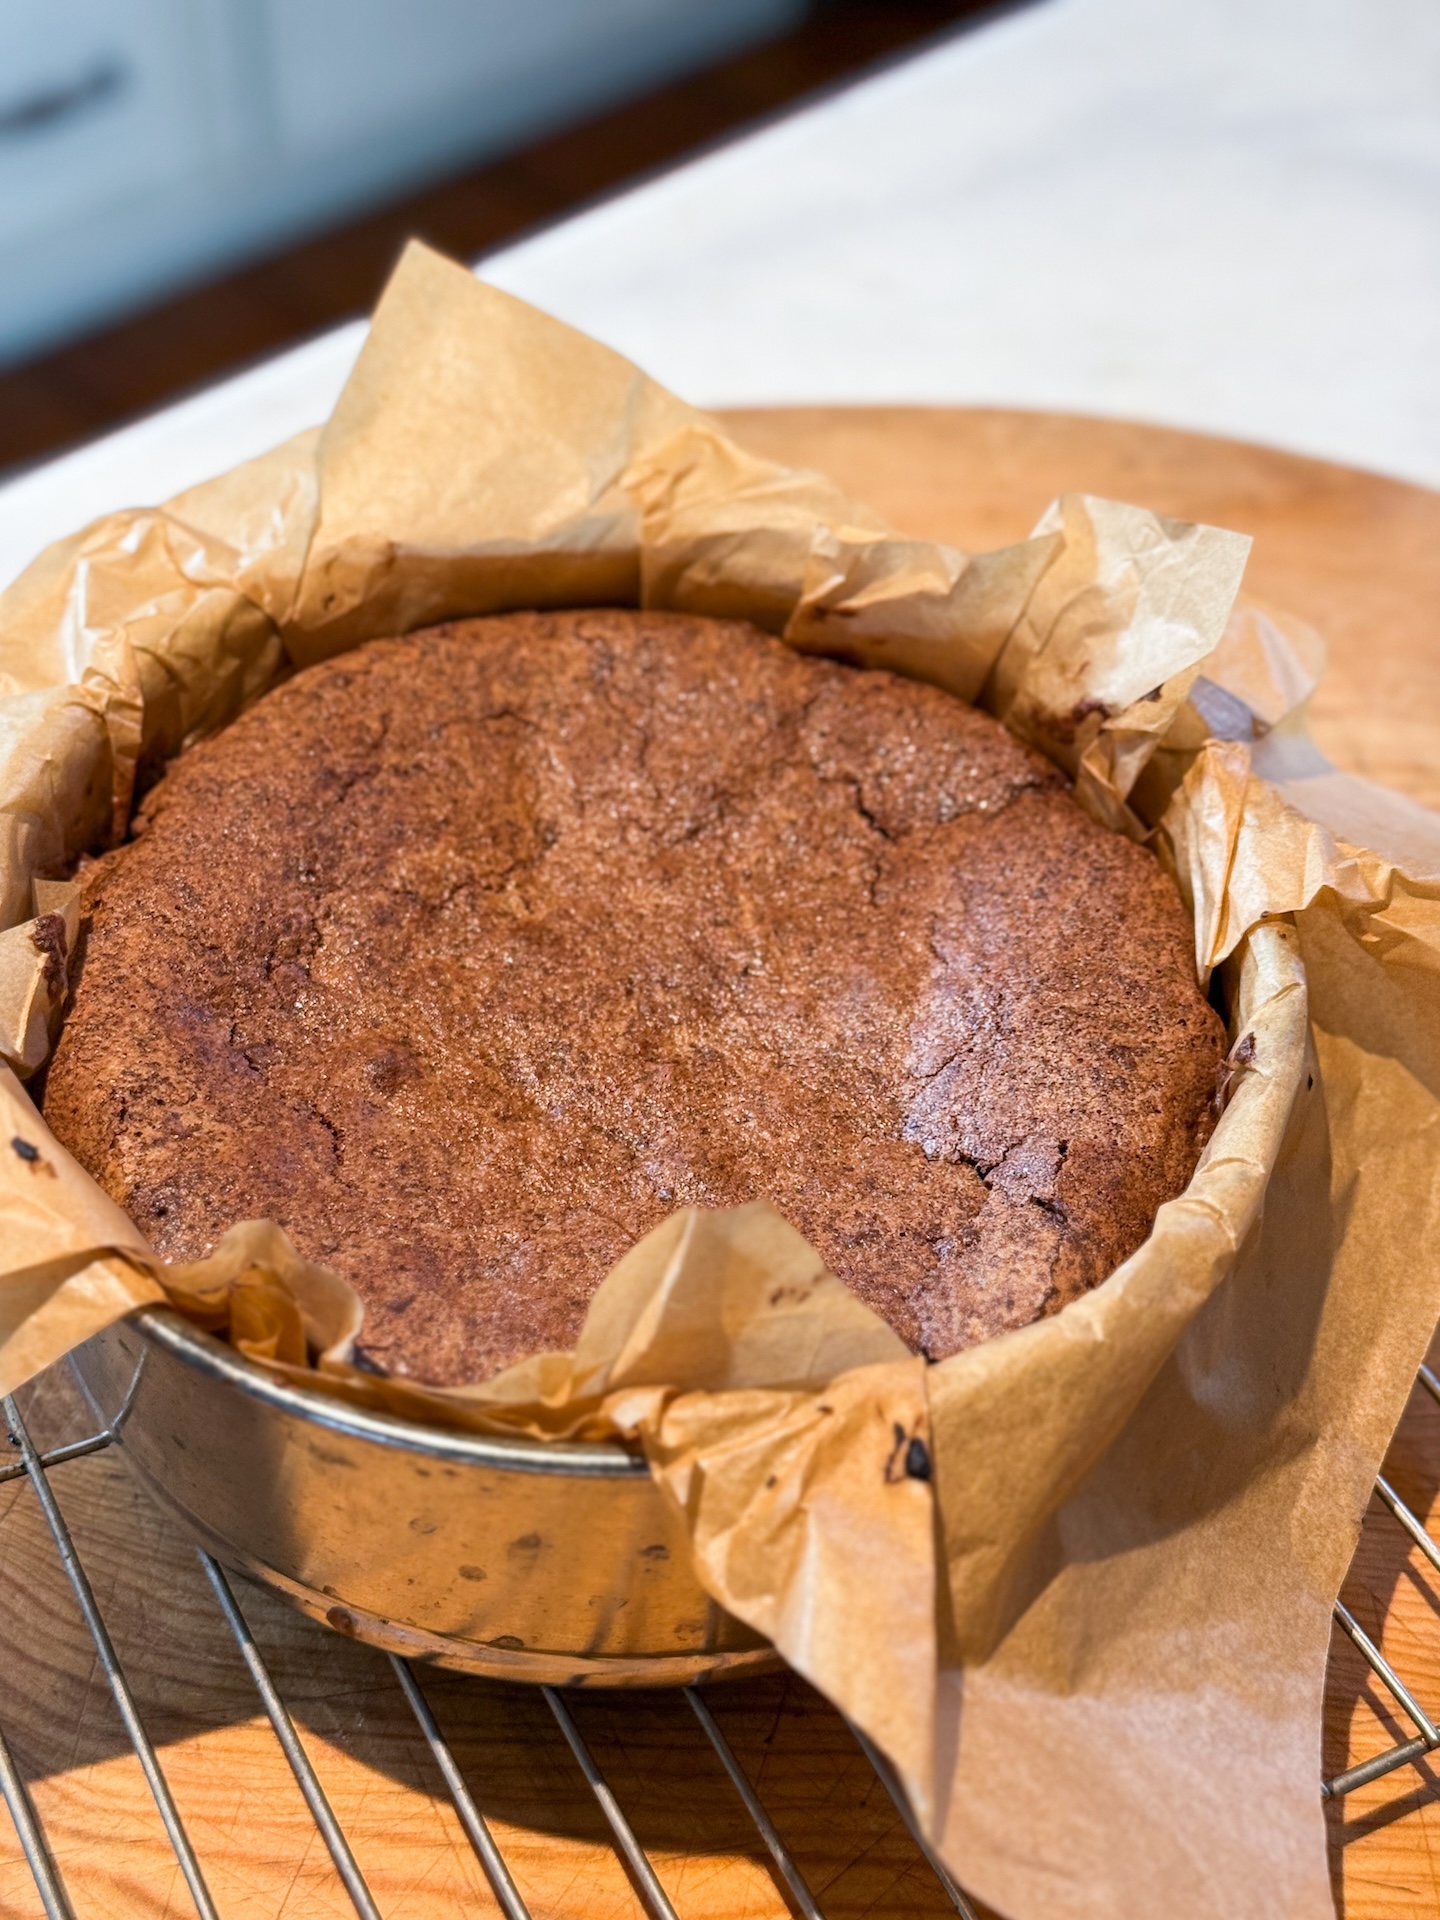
pixel 469 956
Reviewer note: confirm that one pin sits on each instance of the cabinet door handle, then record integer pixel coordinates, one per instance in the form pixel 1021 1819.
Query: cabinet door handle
pixel 60 100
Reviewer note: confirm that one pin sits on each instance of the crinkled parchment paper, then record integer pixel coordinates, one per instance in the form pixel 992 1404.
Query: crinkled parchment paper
pixel 1093 1639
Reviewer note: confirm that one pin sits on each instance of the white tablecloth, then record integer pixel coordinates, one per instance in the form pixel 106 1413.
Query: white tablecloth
pixel 1220 214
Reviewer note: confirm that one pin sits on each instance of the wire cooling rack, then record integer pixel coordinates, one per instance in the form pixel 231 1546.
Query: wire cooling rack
pixel 34 1465
pixel 1427 1737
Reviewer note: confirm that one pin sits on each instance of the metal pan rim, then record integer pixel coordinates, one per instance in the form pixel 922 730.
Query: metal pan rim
pixel 586 1459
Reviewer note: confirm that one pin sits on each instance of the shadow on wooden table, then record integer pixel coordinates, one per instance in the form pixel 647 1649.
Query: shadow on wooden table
pixel 1360 557
pixel 202 1711
pixel 200 1708
pixel 197 1702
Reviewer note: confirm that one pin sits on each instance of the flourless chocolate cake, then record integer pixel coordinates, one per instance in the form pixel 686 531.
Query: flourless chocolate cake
pixel 469 956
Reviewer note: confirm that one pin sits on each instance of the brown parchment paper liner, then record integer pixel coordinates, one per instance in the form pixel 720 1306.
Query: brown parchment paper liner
pixel 1093 1640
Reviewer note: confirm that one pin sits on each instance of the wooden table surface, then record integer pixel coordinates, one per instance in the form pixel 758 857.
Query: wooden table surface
pixel 1357 556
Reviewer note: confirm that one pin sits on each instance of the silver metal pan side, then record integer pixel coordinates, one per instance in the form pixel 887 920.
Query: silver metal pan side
pixel 518 1455
pixel 520 1559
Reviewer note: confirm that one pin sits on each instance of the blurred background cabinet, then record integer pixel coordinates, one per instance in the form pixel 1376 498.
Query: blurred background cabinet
pixel 145 143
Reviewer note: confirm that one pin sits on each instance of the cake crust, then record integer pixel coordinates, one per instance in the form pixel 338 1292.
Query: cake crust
pixel 468 956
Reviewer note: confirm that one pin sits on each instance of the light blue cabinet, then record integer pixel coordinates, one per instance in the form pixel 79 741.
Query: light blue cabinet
pixel 147 142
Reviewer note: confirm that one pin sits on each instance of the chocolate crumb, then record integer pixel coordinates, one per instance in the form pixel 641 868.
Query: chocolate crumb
pixel 908 1459
pixel 1242 1055
pixel 48 936
pixel 1066 726
pixel 25 1150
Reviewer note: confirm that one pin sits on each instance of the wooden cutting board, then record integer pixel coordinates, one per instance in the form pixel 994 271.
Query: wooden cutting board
pixel 1356 555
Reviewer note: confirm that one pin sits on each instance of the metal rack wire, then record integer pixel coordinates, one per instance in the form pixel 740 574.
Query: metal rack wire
pixel 1427 1736
pixel 48 1879
pixel 54 1897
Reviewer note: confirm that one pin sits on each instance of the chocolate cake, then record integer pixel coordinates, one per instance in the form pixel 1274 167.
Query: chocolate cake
pixel 469 956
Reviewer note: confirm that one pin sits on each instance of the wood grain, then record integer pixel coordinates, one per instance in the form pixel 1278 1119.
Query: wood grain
pixel 1356 555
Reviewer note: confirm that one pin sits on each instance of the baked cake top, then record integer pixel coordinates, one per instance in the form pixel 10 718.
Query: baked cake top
pixel 469 956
